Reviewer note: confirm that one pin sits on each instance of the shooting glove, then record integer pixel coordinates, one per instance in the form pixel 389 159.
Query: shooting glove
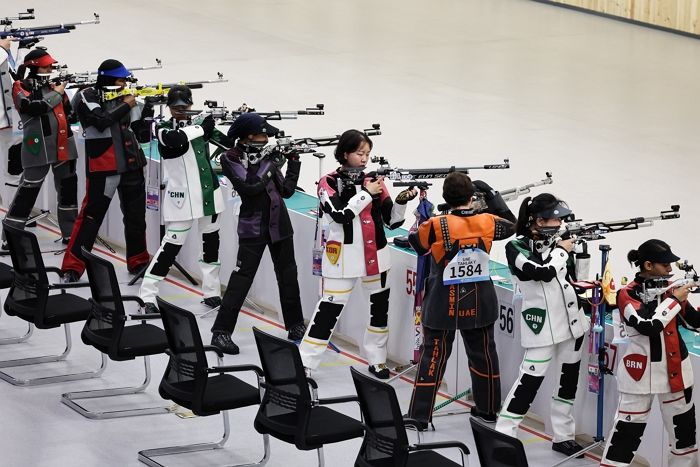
pixel 208 126
pixel 406 195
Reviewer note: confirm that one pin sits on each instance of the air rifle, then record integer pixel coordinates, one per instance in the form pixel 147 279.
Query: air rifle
pixel 416 177
pixel 514 193
pixel 40 31
pixel 224 116
pixel 598 230
pixel 159 89
pixel 309 145
pixel 21 16
pixel 661 285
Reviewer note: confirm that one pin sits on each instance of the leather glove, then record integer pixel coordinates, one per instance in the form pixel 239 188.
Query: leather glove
pixel 406 195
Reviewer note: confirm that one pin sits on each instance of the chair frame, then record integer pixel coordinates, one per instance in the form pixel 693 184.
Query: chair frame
pixel 316 401
pixel 146 456
pixel 18 339
pixel 66 326
pixel 70 398
pixel 358 376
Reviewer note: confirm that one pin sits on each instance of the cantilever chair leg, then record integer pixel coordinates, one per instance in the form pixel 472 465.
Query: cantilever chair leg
pixel 54 358
pixel 146 455
pixel 321 458
pixel 45 358
pixel 19 339
pixel 70 399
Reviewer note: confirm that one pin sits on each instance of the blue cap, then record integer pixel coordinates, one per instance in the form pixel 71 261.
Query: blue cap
pixel 113 69
pixel 250 124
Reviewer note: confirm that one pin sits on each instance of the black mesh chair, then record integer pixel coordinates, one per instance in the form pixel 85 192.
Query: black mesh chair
pixel 189 381
pixel 6 279
pixel 290 411
pixel 30 299
pixel 106 330
pixel 497 449
pixel 386 442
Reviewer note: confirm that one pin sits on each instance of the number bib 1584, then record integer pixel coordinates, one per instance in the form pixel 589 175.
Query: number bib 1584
pixel 469 265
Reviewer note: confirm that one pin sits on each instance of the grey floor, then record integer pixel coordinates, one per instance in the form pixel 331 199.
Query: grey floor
pixel 607 107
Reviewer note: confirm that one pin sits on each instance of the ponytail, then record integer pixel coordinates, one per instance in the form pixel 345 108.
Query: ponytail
pixel 522 226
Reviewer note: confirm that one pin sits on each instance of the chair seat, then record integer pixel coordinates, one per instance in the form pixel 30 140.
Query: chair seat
pixel 136 341
pixel 415 459
pixel 6 276
pixel 222 392
pixel 325 426
pixel 60 309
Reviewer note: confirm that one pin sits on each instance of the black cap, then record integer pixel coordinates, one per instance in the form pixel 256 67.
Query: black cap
pixel 110 71
pixel 179 95
pixel 250 124
pixel 654 250
pixel 548 206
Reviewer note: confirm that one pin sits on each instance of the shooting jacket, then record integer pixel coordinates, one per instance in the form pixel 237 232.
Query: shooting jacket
pixel 656 358
pixel 46 134
pixel 356 244
pixel 468 305
pixel 111 143
pixel 192 188
pixel 263 216
pixel 5 89
pixel 550 309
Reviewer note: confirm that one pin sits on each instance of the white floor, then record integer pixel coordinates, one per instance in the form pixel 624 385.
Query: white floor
pixel 608 107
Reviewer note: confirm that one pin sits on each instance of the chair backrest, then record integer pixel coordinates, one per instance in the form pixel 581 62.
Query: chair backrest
pixel 385 434
pixel 107 315
pixel 30 283
pixel 286 386
pixel 497 449
pixel 185 378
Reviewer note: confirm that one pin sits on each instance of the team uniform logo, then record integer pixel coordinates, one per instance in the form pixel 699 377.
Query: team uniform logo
pixel 177 197
pixel 635 364
pixel 333 251
pixel 32 144
pixel 534 319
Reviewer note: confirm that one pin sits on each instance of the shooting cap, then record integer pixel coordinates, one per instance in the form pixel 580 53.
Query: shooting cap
pixel 39 57
pixel 656 251
pixel 179 95
pixel 113 69
pixel 250 124
pixel 457 189
pixel 548 206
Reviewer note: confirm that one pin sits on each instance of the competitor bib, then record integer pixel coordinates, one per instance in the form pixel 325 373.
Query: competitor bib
pixel 469 265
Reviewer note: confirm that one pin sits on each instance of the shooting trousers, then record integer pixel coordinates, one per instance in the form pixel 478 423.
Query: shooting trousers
pixel 132 200
pixel 567 355
pixel 482 364
pixel 175 235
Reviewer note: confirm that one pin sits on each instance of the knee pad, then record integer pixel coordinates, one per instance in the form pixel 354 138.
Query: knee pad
pixel 14 160
pixel 210 247
pixel 625 441
pixel 682 424
pixel 379 309
pixel 69 191
pixel 568 381
pixel 165 259
pixel 325 319
pixel 524 394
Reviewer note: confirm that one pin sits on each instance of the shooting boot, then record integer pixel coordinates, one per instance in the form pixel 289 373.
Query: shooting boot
pixel 296 332
pixel 483 416
pixel 223 341
pixel 568 448
pixel 380 371
pixel 212 302
pixel 151 308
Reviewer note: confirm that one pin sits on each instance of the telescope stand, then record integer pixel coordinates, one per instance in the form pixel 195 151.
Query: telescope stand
pixel 598 337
